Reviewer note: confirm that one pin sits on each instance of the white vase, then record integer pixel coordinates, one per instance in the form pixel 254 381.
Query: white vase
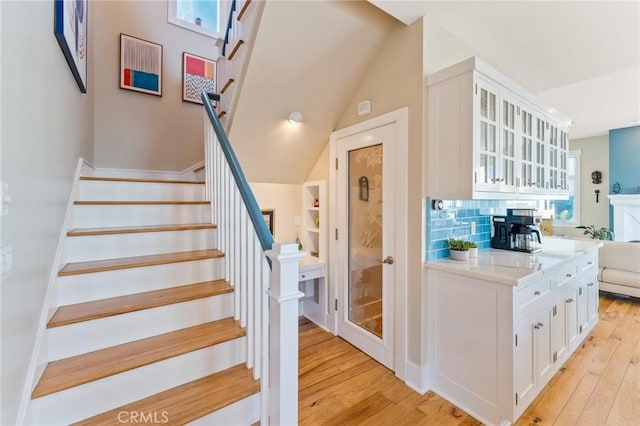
pixel 459 255
pixel 473 252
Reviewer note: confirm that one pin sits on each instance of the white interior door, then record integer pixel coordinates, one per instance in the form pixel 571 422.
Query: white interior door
pixel 365 190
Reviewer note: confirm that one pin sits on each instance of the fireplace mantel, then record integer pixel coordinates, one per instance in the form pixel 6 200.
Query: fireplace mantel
pixel 626 216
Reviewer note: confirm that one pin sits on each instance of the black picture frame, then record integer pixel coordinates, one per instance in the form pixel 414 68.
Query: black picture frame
pixel 268 216
pixel 70 26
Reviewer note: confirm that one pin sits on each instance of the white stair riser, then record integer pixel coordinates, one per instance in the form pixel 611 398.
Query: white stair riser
pixel 75 339
pixel 101 285
pixel 138 191
pixel 243 412
pixel 98 247
pixel 92 216
pixel 80 402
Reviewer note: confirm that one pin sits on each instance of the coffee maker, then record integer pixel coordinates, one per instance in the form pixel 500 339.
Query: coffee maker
pixel 516 231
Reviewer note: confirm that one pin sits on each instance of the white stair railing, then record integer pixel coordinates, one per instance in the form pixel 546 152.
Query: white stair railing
pixel 266 291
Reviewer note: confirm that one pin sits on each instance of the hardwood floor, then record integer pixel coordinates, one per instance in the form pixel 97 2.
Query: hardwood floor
pixel 599 384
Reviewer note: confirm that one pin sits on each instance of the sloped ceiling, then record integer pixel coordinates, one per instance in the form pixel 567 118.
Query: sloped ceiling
pixel 309 56
pixel 582 57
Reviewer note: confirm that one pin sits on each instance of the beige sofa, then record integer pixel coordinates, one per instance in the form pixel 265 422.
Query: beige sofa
pixel 619 270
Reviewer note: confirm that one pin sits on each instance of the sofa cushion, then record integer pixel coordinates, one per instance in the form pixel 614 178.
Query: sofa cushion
pixel 622 256
pixel 617 276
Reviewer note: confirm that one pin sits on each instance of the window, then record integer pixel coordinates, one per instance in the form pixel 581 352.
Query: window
pixel 202 16
pixel 567 212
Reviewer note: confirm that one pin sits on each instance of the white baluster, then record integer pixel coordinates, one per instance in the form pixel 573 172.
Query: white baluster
pixel 264 344
pixel 258 295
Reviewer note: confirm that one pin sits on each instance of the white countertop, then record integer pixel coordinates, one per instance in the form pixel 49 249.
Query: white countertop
pixel 310 263
pixel 513 268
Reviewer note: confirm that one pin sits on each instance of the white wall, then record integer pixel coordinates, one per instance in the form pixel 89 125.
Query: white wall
pixel 136 130
pixel 286 200
pixel 46 125
pixel 594 156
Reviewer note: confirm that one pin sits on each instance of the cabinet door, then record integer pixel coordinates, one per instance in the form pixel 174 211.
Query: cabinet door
pixel 563 152
pixel 540 141
pixel 527 178
pixel 507 141
pixel 571 312
pixel 525 372
pixel 543 346
pixel 486 140
pixel 583 315
pixel 559 330
pixel 554 159
pixel 592 299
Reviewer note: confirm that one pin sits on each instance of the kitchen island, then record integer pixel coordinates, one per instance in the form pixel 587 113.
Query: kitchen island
pixel 502 324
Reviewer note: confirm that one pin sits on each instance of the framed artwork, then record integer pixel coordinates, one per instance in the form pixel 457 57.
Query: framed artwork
pixel 140 65
pixel 71 31
pixel 198 74
pixel 269 219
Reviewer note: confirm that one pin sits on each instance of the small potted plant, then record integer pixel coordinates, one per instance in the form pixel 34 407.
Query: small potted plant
pixel 597 234
pixel 458 249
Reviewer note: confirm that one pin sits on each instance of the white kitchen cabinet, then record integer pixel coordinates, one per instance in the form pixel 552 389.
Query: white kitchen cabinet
pixel 491 346
pixel 488 138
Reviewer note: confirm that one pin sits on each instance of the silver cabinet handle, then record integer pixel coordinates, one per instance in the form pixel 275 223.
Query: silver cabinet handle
pixel 569 300
pixel 591 284
pixel 536 293
pixel 388 260
pixel 569 275
pixel 538 326
pixel 589 263
pixel 304 276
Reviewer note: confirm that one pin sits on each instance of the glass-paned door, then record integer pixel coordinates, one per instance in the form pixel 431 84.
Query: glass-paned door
pixel 365 238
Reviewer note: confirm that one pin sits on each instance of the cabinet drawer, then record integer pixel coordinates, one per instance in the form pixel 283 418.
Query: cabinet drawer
pixel 565 274
pixel 530 297
pixel 588 260
pixel 311 274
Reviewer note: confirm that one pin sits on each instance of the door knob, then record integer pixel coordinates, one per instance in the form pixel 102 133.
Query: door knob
pixel 389 260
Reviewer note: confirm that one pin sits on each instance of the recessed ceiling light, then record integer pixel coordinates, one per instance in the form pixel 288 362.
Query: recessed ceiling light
pixel 552 110
pixel 295 117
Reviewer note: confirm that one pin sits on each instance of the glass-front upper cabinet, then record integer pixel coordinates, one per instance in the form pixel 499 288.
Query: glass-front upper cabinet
pixel 563 152
pixel 554 159
pixel 487 149
pixel 527 181
pixel 540 154
pixel 508 128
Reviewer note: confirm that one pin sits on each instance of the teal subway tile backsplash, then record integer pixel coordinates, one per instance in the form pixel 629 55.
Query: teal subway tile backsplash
pixel 454 221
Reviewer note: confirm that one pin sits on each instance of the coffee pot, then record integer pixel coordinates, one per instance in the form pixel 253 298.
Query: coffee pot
pixel 523 239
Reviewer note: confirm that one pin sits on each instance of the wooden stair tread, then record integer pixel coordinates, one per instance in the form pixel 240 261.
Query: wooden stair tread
pixel 117 179
pixel 78 232
pixel 134 203
pixel 77 370
pixel 137 261
pixel 188 402
pixel 103 308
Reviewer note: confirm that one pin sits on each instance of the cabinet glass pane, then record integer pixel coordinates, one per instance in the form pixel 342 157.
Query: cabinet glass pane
pixel 491 169
pixel 492 107
pixel 491 138
pixel 483 103
pixel 483 135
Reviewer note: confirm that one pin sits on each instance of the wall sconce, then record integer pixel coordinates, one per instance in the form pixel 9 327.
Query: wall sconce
pixel 596 177
pixel 295 117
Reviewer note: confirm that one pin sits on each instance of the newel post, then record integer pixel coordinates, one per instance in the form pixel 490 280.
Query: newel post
pixel 283 333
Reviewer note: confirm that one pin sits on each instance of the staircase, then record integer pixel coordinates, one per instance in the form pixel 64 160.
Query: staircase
pixel 144 331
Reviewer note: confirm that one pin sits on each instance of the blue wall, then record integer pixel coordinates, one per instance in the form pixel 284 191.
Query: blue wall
pixel 624 161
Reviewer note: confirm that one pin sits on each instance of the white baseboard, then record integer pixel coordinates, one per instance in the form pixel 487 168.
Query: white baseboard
pixel 39 354
pixel 417 378
pixel 186 174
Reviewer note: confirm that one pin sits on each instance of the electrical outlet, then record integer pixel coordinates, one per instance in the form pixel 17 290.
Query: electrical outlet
pixel 7 259
pixel 473 228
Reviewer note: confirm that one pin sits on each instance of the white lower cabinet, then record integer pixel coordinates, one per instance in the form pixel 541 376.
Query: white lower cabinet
pixel 493 347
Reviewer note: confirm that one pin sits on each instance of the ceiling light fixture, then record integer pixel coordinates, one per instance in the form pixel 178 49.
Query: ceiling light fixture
pixel 295 117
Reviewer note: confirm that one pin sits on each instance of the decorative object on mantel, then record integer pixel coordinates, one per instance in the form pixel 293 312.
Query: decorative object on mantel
pixel 458 249
pixel 363 184
pixel 616 188
pixel 596 177
pixel 597 195
pixel 596 234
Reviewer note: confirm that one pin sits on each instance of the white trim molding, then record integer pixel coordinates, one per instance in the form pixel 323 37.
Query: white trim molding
pixel 626 216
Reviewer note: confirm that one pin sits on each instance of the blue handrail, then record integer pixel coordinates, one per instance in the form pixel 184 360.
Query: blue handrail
pixel 260 226
pixel 228 29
